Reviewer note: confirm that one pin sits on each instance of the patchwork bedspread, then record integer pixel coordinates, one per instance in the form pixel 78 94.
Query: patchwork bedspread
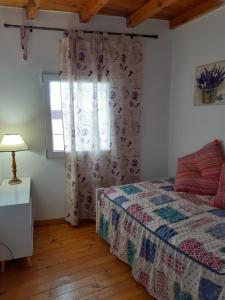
pixel 174 242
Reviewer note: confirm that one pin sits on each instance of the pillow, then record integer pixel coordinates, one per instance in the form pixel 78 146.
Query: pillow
pixel 219 199
pixel 199 172
pixel 210 158
pixel 187 164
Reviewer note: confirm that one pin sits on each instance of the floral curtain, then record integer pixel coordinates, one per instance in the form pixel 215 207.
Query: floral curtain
pixel 100 87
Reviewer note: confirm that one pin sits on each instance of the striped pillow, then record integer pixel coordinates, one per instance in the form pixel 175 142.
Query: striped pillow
pixel 219 199
pixel 210 158
pixel 199 172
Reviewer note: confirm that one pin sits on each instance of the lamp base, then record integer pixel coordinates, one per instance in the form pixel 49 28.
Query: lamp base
pixel 15 181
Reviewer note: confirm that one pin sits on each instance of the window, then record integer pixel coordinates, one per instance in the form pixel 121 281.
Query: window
pixel 93 123
pixel 89 121
pixel 54 119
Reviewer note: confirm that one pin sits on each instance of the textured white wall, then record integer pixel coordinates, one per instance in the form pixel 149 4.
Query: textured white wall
pixel 21 100
pixel 199 42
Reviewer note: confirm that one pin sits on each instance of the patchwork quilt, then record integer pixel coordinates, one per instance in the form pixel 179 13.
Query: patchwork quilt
pixel 174 242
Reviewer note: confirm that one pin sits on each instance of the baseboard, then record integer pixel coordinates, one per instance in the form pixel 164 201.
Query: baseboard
pixel 49 222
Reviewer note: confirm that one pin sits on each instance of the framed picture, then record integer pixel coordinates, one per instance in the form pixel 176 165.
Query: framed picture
pixel 210 84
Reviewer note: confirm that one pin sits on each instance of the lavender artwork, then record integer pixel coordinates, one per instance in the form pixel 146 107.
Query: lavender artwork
pixel 210 84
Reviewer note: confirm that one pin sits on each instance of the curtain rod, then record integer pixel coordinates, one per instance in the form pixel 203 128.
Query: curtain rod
pixel 153 36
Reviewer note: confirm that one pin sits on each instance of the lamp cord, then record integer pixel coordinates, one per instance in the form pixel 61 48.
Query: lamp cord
pixel 10 251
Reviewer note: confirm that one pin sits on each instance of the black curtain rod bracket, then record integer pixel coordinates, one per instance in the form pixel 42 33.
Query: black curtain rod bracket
pixel 31 28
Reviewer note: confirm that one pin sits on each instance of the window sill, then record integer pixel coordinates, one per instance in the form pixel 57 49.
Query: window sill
pixel 51 154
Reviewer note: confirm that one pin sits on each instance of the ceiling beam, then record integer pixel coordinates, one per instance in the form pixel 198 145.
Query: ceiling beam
pixel 32 9
pixel 150 9
pixel 195 12
pixel 91 9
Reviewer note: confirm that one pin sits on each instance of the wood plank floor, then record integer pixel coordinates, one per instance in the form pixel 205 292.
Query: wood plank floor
pixel 68 264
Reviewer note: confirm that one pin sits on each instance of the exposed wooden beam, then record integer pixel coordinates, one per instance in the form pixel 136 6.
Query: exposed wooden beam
pixel 195 12
pixel 32 8
pixel 91 9
pixel 150 9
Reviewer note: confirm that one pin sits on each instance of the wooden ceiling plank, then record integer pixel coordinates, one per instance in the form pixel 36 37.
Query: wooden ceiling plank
pixel 196 12
pixel 91 9
pixel 59 5
pixel 13 3
pixel 148 10
pixel 32 9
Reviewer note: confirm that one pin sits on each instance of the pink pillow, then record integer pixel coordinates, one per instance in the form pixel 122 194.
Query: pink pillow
pixel 199 172
pixel 210 158
pixel 219 199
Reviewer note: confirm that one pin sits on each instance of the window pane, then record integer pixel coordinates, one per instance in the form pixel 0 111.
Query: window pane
pixel 92 115
pixel 58 142
pixel 56 116
pixel 55 95
pixel 85 114
pixel 57 126
pixel 103 116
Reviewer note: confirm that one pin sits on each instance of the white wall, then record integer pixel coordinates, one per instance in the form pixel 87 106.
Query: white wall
pixel 21 100
pixel 196 43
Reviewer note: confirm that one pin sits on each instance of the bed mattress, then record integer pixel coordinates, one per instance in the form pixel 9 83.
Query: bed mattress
pixel 174 242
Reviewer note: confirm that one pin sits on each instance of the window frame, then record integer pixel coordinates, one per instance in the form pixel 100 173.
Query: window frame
pixel 46 79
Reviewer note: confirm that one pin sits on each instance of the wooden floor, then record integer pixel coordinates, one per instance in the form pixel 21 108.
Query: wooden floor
pixel 69 264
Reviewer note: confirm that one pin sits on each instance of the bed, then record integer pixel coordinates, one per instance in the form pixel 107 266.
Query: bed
pixel 174 242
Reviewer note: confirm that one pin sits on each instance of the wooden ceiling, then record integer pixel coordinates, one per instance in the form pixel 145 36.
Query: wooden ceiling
pixel 177 12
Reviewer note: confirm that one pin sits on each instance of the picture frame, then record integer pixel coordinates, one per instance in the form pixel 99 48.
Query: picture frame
pixel 210 84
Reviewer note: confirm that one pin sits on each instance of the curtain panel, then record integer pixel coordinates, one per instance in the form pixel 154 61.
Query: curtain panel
pixel 101 93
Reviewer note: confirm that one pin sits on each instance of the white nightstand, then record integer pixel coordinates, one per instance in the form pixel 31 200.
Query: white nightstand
pixel 16 224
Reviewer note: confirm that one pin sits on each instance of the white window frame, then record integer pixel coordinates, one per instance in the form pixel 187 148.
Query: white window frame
pixel 46 78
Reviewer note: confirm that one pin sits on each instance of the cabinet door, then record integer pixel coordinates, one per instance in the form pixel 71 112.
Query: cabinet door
pixel 15 231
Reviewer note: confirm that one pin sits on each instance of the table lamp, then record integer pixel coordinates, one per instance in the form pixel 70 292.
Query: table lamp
pixel 13 143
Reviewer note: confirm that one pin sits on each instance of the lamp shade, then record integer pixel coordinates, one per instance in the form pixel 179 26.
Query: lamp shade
pixel 12 142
